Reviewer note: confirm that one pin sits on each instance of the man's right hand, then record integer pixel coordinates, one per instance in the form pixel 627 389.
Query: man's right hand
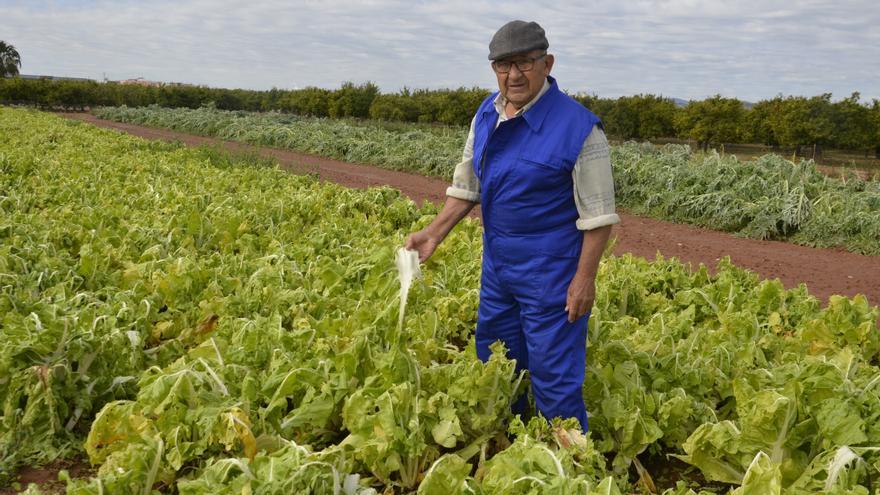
pixel 426 240
pixel 423 243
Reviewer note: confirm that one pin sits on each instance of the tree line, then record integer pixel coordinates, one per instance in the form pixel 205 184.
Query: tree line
pixel 450 107
pixel 789 121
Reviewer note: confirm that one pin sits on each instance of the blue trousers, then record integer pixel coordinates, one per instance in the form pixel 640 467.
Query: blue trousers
pixel 522 303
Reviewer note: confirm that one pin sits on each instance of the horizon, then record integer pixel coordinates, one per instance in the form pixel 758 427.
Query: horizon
pixel 682 49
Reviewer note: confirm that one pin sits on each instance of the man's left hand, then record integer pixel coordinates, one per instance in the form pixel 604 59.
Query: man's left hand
pixel 581 293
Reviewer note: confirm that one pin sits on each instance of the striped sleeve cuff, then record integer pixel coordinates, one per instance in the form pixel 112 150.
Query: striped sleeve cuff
pixel 465 194
pixel 596 222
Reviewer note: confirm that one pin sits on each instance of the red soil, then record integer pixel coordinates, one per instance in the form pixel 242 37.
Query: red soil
pixel 46 477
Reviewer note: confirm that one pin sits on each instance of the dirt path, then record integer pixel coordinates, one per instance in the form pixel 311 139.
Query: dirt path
pixel 824 271
pixel 46 477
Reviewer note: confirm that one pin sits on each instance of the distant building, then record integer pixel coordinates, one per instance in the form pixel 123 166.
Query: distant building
pixel 140 81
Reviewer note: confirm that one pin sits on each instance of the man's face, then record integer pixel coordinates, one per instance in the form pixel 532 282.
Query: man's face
pixel 520 87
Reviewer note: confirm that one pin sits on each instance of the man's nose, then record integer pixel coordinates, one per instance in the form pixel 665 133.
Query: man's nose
pixel 514 73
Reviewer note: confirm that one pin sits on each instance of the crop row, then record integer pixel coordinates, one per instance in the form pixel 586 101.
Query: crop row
pixel 766 198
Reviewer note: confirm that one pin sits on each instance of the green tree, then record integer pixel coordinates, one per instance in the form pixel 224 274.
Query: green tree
pixel 457 107
pixel 397 106
pixel 353 100
pixel 307 101
pixel 10 60
pixel 875 124
pixel 271 100
pixel 602 107
pixel 757 124
pixel 851 124
pixel 656 115
pixel 633 117
pixel 715 120
pixel 803 121
pixel 75 94
pixel 622 120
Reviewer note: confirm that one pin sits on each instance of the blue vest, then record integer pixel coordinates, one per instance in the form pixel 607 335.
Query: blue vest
pixel 524 167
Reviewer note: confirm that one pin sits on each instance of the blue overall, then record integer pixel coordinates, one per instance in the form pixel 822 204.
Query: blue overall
pixel 531 245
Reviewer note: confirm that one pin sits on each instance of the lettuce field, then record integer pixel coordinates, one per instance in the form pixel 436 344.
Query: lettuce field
pixel 196 323
pixel 766 198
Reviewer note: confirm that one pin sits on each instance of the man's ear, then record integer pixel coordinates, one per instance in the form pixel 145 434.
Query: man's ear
pixel 548 61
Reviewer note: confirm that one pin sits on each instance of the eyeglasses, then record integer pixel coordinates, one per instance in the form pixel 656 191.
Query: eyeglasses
pixel 525 65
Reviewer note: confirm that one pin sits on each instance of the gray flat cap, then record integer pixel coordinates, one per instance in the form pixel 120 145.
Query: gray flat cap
pixel 517 37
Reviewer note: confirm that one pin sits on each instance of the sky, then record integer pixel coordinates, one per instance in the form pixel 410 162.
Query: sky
pixel 749 49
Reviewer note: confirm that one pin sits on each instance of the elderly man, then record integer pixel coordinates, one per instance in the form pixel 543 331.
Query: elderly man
pixel 538 163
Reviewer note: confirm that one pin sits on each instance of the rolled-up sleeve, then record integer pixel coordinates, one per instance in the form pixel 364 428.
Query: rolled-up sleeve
pixel 465 184
pixel 593 183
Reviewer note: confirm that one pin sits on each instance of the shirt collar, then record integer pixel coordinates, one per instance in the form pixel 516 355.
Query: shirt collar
pixel 500 102
pixel 534 111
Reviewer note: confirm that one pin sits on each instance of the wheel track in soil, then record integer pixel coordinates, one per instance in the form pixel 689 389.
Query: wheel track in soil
pixel 824 271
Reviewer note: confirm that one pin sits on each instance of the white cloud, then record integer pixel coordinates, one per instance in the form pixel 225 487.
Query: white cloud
pixel 686 48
